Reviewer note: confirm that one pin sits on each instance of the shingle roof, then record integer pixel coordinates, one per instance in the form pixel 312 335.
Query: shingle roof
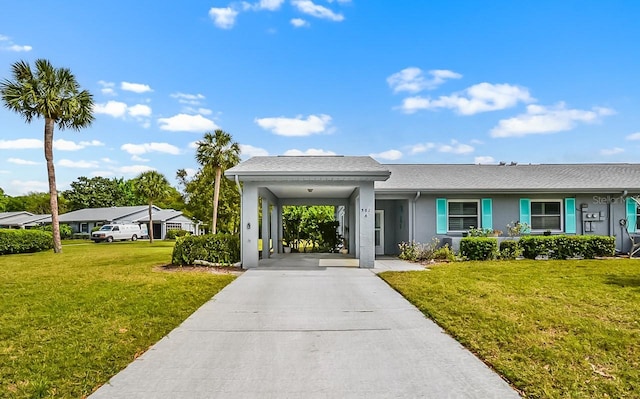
pixel 160 216
pixel 545 177
pixel 328 166
pixel 23 219
pixel 101 214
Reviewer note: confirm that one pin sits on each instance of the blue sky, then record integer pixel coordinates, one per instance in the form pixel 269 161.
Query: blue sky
pixel 406 82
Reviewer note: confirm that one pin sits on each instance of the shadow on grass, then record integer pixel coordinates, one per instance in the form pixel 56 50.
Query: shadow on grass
pixel 624 281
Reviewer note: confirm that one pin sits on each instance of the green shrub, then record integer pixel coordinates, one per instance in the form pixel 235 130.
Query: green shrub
pixel 65 230
pixel 444 253
pixel 24 241
pixel 408 251
pixel 479 248
pixel 563 246
pixel 173 234
pixel 510 249
pixel 214 248
pixel 415 251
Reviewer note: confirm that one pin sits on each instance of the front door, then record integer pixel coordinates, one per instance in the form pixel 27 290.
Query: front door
pixel 379 232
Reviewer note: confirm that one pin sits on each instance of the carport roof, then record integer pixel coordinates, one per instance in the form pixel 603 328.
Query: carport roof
pixel 309 166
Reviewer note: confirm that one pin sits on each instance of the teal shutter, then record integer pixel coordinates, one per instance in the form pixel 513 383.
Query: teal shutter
pixel 525 211
pixel 487 213
pixel 570 215
pixel 631 215
pixel 441 216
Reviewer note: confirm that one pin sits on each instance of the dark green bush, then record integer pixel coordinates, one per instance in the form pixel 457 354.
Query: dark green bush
pixel 214 248
pixel 479 248
pixel 65 230
pixel 510 249
pixel 24 241
pixel 173 234
pixel 562 246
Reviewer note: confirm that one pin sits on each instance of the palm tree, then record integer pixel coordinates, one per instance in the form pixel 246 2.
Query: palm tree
pixel 54 95
pixel 152 186
pixel 217 152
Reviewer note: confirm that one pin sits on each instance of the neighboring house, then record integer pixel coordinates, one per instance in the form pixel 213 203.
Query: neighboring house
pixel 84 220
pixel 380 205
pixel 22 220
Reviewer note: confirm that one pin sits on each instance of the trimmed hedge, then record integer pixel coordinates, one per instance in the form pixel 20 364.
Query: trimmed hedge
pixel 562 246
pixel 173 234
pixel 479 248
pixel 510 249
pixel 65 230
pixel 24 241
pixel 214 248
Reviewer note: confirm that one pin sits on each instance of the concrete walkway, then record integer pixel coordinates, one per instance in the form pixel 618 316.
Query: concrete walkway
pixel 307 333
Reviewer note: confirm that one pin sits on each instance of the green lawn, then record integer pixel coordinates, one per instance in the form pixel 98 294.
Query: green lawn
pixel 554 329
pixel 69 322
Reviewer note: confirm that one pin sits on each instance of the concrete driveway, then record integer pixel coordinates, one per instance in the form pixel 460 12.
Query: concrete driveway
pixel 310 332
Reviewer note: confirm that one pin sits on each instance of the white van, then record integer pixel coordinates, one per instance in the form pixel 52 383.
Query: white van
pixel 113 232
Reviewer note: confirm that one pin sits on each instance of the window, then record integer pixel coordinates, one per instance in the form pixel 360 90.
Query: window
pixel 462 215
pixel 546 215
pixel 174 226
pixel 84 227
pixel 637 218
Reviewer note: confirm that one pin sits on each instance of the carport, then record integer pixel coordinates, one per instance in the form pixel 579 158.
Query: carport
pixel 342 181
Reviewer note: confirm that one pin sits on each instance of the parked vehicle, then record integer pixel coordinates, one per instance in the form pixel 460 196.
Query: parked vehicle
pixel 119 232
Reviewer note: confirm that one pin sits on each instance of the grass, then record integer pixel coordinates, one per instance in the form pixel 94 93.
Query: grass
pixel 68 322
pixel 554 329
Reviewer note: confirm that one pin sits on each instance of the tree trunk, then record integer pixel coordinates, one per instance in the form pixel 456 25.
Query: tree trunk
pixel 216 195
pixel 150 224
pixel 53 191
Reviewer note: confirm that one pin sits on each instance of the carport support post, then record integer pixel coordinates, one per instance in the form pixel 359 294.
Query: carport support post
pixel 249 228
pixel 265 228
pixel 275 238
pixel 366 219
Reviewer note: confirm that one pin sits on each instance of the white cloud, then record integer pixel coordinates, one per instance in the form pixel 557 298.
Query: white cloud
pixel 19 161
pixel 297 126
pixel 390 155
pixel 270 5
pixel 139 110
pixel 633 136
pixel 310 8
pixel 482 97
pixel 544 120
pixel 193 145
pixel 116 109
pixel 19 187
pixel 611 151
pixel 223 18
pixel 107 88
pixel 137 158
pixel 133 169
pixel 187 123
pixel 412 79
pixel 299 22
pixel 7 44
pixel 201 111
pixel 135 87
pixel 77 164
pixel 21 144
pixel 309 152
pixel 421 147
pixel 456 148
pixel 139 149
pixel 249 151
pixel 191 99
pixel 483 160
pixel 67 145
pixel 108 160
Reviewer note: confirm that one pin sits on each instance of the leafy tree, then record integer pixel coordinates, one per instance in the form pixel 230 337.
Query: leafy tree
pixel 197 196
pixel 315 224
pixel 215 153
pixel 95 192
pixel 37 203
pixel 152 186
pixel 54 95
pixel 4 198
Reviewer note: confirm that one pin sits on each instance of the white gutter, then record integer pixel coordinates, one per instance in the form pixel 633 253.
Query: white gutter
pixel 413 216
pixel 241 223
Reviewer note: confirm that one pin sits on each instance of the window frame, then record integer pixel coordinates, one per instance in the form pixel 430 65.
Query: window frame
pixel 478 214
pixel 172 226
pixel 561 215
